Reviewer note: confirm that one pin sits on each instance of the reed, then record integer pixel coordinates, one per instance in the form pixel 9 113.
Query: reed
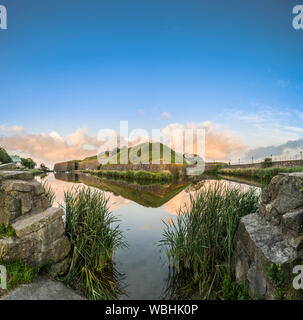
pixel 49 193
pixel 95 236
pixel 200 243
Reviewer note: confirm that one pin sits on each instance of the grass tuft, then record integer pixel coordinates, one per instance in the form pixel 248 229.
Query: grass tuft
pixel 200 243
pixel 6 231
pixel 19 272
pixel 49 193
pixel 95 236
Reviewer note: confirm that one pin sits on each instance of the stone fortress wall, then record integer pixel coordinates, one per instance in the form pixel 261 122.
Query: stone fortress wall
pixel 272 236
pixel 39 230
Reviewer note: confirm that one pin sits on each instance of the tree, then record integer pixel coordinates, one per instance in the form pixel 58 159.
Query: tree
pixel 28 163
pixel 43 167
pixel 4 157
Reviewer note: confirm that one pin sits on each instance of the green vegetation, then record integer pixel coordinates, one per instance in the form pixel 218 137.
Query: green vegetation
pixel 263 174
pixel 142 153
pixel 49 193
pixel 137 175
pixel 6 231
pixel 214 170
pixel 43 167
pixel 267 163
pixel 200 243
pixel 19 272
pixel 275 274
pixel 95 236
pixel 232 290
pixel 28 163
pixel 4 157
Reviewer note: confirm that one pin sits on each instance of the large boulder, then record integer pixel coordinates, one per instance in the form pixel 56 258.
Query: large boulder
pixel 39 234
pixel 20 194
pixel 272 238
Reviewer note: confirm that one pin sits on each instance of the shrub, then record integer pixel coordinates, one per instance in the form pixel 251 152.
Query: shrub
pixel 28 163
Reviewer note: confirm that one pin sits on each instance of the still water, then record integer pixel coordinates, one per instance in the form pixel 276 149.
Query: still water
pixel 141 210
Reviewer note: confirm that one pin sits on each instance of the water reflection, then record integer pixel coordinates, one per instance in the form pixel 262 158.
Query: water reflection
pixel 141 210
pixel 148 195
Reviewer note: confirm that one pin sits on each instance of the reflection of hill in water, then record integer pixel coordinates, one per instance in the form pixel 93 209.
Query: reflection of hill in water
pixel 152 195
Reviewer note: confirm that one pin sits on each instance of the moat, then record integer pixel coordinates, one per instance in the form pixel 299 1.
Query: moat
pixel 141 210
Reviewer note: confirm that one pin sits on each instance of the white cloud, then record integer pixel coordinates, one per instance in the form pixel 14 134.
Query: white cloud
pixel 12 130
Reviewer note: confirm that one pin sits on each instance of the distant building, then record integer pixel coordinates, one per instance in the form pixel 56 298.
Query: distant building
pixel 16 160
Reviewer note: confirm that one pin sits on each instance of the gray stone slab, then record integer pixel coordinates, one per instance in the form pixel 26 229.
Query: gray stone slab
pixel 21 175
pixel 33 222
pixel 8 166
pixel 43 288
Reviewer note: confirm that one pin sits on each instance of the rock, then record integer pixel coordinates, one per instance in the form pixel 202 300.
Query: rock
pixel 272 236
pixel 21 175
pixel 33 222
pixel 23 186
pixel 26 202
pixel 37 248
pixel 60 268
pixel 19 197
pixel 282 195
pixel 8 166
pixel 39 230
pixel 43 288
pixel 292 222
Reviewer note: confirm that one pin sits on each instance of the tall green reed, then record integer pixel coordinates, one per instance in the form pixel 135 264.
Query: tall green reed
pixel 200 243
pixel 49 193
pixel 95 236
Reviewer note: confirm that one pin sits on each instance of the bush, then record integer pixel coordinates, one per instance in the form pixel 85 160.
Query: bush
pixel 43 167
pixel 28 163
pixel 129 175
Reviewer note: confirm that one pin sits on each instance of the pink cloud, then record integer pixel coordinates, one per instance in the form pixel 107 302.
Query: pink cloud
pixel 50 148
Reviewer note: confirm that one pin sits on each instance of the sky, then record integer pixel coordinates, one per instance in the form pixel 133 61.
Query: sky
pixel 72 68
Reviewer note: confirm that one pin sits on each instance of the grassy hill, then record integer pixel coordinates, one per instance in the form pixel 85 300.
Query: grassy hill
pixel 143 153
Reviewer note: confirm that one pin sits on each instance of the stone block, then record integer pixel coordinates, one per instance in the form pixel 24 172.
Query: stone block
pixel 15 175
pixel 8 166
pixel 60 268
pixel 33 222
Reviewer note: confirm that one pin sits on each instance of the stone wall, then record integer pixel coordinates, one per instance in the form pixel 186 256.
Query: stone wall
pixel 174 169
pixel 39 230
pixel 272 236
pixel 279 164
pixel 65 166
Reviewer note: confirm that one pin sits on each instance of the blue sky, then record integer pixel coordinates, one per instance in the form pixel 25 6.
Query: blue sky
pixel 238 64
